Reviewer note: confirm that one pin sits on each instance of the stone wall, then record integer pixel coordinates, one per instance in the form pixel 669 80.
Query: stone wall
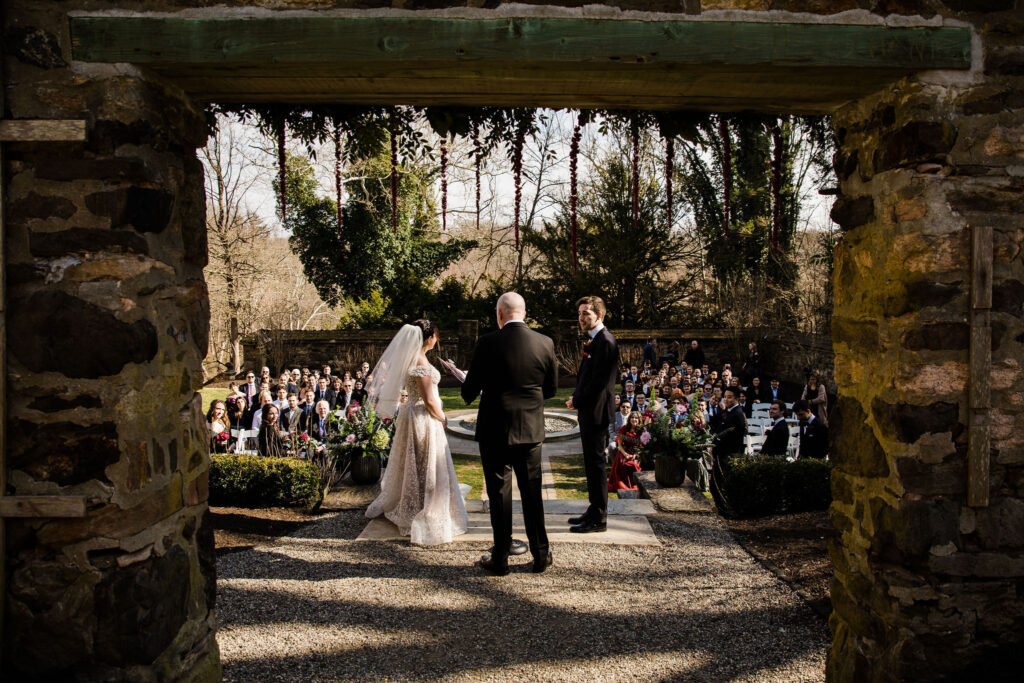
pixel 926 585
pixel 108 317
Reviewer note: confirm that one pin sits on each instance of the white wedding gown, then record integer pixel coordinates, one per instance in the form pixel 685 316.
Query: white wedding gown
pixel 419 491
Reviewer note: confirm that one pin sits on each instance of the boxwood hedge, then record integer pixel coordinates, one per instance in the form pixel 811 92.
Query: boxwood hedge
pixel 255 481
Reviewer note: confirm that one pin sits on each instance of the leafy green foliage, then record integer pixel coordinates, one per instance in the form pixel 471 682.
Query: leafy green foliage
pixel 391 273
pixel 645 274
pixel 255 481
pixel 766 485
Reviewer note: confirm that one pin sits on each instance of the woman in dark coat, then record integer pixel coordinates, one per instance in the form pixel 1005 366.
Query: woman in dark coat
pixel 270 443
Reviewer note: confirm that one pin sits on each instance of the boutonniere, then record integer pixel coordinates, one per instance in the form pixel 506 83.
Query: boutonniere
pixel 586 347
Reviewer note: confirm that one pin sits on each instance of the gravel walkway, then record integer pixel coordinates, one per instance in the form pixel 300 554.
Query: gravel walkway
pixel 318 606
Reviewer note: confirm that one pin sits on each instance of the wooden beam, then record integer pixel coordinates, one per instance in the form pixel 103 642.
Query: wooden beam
pixel 42 506
pixel 979 451
pixel 292 39
pixel 13 130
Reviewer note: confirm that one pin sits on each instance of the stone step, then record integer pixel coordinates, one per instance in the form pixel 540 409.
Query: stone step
pixel 685 498
pixel 622 530
pixel 573 507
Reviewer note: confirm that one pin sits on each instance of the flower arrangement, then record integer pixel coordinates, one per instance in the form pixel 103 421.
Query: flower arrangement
pixel 367 431
pixel 681 436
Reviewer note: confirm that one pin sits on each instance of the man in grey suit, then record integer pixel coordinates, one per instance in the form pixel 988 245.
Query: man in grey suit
pixel 513 371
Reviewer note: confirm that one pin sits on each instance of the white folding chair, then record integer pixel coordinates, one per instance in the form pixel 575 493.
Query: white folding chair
pixel 761 407
pixel 754 444
pixel 789 406
pixel 245 441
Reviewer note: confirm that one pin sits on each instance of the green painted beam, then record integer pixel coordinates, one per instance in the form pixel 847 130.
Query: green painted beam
pixel 277 41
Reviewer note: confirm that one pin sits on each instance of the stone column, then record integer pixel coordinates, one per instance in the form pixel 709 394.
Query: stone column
pixel 108 326
pixel 924 584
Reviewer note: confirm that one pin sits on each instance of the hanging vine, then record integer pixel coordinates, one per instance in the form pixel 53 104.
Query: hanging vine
pixel 337 171
pixel 723 132
pixel 574 153
pixel 394 178
pixel 634 132
pixel 776 185
pixel 517 169
pixel 476 169
pixel 444 183
pixel 280 133
pixel 670 152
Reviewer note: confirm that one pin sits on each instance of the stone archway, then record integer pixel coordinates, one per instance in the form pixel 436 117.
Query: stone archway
pixel 107 316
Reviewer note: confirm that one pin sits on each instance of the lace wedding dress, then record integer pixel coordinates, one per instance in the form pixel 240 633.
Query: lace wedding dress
pixel 419 491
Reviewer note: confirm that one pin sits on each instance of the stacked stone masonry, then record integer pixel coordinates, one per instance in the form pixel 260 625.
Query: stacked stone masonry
pixel 107 322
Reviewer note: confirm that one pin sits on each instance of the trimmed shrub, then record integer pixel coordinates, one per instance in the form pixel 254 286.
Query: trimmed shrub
pixel 766 485
pixel 255 481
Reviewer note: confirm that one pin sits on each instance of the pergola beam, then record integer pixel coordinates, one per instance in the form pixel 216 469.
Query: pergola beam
pixel 587 62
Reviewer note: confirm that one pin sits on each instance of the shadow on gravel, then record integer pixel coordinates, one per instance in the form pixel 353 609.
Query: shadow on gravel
pixel 439 617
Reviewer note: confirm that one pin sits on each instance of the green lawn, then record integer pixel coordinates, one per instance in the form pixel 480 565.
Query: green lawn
pixel 570 479
pixel 452 400
pixel 469 471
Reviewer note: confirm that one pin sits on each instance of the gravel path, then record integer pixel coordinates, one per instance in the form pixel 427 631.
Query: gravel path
pixel 319 606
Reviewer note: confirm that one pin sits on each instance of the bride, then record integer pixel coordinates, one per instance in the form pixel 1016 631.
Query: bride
pixel 419 491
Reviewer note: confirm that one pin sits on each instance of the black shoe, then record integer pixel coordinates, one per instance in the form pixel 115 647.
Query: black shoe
pixel 539 565
pixel 589 527
pixel 578 520
pixel 487 564
pixel 516 548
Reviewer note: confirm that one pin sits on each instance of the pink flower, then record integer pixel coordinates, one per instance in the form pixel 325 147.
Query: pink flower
pixel 304 436
pixel 645 438
pixel 351 438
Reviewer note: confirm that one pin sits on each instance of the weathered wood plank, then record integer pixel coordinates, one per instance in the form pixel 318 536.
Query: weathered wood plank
pixel 13 130
pixel 981 360
pixel 978 455
pixel 305 39
pixel 981 266
pixel 42 506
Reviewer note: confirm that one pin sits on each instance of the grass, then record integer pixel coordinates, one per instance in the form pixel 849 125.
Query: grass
pixel 452 400
pixel 468 470
pixel 570 479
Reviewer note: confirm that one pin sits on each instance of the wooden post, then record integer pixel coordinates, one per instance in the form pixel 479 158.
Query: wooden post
pixel 980 397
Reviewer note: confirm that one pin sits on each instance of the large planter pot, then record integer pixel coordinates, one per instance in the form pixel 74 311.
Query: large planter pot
pixel 668 471
pixel 365 468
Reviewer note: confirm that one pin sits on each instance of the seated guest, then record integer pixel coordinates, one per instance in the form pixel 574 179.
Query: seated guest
pixel 715 411
pixel 308 407
pixel 365 369
pixel 291 416
pixel 630 396
pixel 627 455
pixel 777 441
pixel 343 394
pixel 698 375
pixel 633 375
pixel 250 390
pixel 220 423
pixel 813 432
pixel 321 422
pixel 746 404
pixel 234 390
pixel 346 377
pixel 358 393
pixel 269 441
pixel 679 410
pixel 237 410
pixel 665 392
pixel 754 391
pixel 687 392
pixel 643 407
pixel 774 391
pixel 263 400
pixel 700 418
pixel 285 382
pixel 621 419
pixel 322 387
pixel 282 398
pixel 618 401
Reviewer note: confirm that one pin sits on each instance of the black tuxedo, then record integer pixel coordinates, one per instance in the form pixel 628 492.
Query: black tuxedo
pixel 286 419
pixel 777 441
pixel 342 399
pixel 595 405
pixel 631 400
pixel 630 377
pixel 330 396
pixel 813 439
pixel 731 431
pixel 768 396
pixel 513 371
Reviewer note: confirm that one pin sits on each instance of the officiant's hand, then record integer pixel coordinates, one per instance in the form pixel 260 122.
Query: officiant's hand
pixel 568 404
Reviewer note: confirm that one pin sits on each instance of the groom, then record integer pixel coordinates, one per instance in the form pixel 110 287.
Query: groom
pixel 513 370
pixel 595 404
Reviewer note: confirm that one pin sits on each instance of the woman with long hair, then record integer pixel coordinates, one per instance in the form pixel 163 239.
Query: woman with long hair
pixel 220 423
pixel 419 492
pixel 627 454
pixel 269 441
pixel 814 393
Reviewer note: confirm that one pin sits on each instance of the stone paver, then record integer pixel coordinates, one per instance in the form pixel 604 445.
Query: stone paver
pixel 685 498
pixel 622 530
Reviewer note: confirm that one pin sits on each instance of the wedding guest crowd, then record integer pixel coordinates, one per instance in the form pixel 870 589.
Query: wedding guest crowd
pixel 724 400
pixel 299 400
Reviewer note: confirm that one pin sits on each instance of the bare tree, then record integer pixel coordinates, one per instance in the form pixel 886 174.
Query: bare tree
pixel 235 232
